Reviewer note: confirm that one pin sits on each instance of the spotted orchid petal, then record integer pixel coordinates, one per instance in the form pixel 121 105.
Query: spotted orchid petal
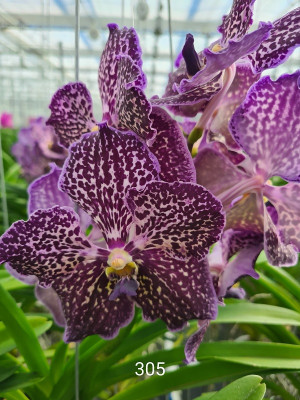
pixel 50 299
pixel 71 113
pixel 236 24
pixel 267 126
pixel 215 171
pixel 284 38
pixel 278 253
pixel 218 61
pixel 120 42
pixel 191 102
pixel 194 341
pixel 183 219
pixel 125 105
pixel 285 199
pixel 170 149
pixel 49 245
pixel 174 290
pixel 246 214
pixel 132 109
pixel 246 245
pixel 99 171
pixel 44 193
pixel 242 81
pixel 86 305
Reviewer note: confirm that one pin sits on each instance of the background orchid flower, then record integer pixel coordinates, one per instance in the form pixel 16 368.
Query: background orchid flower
pixel 188 90
pixel 156 235
pixel 36 147
pixel 6 120
pixel 266 127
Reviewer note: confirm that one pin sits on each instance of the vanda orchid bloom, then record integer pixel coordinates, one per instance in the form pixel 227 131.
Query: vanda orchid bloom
pixel 267 127
pixel 36 148
pixel 156 234
pixel 202 79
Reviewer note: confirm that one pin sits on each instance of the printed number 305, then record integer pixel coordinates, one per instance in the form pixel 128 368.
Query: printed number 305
pixel 150 368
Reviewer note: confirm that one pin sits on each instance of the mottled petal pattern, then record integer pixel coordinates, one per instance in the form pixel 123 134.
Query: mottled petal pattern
pixel 132 109
pixel 98 173
pixel 120 42
pixel 242 265
pixel 267 126
pixel 86 305
pixel 183 219
pixel 49 245
pixel 71 113
pixel 216 62
pixel 246 214
pixel 173 290
pixel 216 172
pixel 243 79
pixel 194 341
pixel 197 97
pixel 286 200
pixel 277 252
pixel 170 149
pixel 50 299
pixel 283 39
pixel 44 192
pixel 236 24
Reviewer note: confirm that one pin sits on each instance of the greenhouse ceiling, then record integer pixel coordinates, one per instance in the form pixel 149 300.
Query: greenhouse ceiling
pixel 37 51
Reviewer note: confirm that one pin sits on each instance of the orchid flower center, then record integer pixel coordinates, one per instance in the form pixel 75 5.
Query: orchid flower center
pixel 120 264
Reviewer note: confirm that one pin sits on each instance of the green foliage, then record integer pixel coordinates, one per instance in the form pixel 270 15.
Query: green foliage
pixel 246 388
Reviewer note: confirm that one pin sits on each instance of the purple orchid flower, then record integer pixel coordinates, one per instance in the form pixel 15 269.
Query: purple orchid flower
pixel 266 126
pixel 199 85
pixel 125 107
pixel 156 233
pixel 6 120
pixel 36 147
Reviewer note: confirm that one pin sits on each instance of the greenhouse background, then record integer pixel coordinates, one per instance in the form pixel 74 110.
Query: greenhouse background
pixel 251 348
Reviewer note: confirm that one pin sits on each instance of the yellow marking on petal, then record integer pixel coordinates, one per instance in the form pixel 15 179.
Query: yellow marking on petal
pixel 216 48
pixel 95 128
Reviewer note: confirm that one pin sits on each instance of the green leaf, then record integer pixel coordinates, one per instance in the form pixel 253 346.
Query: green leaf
pixel 280 293
pixel 190 376
pixel 259 354
pixel 246 388
pixel 58 361
pixel 38 324
pixel 15 395
pixel 7 368
pixel 206 396
pixel 283 277
pixel 253 313
pixel 22 333
pixel 19 381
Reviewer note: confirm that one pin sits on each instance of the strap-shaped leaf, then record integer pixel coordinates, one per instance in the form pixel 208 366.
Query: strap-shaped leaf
pixel 22 333
pixel 245 388
pixel 253 313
